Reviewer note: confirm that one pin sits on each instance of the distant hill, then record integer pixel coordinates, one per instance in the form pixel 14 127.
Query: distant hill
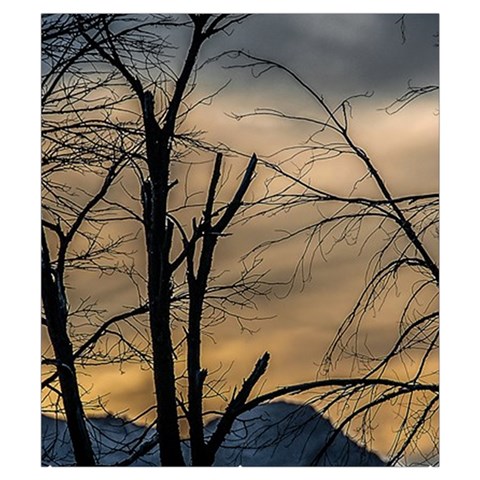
pixel 273 434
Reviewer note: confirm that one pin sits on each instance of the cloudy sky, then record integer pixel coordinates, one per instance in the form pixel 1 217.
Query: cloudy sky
pixel 345 54
pixel 338 56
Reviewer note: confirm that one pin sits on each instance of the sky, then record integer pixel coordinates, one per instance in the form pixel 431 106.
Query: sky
pixel 342 54
pixel 455 53
pixel 338 56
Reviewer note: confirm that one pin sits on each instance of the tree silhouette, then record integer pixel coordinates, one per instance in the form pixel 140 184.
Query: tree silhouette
pixel 77 82
pixel 401 233
pixel 117 149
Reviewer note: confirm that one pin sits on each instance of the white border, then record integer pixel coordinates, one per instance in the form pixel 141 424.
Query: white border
pixel 247 6
pixel 20 349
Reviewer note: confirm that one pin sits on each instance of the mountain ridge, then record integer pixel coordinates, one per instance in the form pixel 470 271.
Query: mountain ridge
pixel 272 434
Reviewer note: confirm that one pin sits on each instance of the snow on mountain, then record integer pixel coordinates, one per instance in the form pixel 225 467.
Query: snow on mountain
pixel 287 434
pixel 273 434
pixel 113 439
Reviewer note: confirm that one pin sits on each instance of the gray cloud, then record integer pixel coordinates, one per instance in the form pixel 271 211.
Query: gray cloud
pixel 345 54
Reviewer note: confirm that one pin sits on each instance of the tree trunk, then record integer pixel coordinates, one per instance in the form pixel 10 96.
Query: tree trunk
pixel 159 232
pixel 164 374
pixel 159 238
pixel 196 376
pixel 55 307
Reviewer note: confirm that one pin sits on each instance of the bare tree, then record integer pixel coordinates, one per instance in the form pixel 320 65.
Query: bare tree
pixel 116 149
pixel 87 60
pixel 401 233
pixel 63 219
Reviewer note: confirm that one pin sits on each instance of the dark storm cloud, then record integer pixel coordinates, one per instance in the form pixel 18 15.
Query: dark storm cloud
pixel 346 54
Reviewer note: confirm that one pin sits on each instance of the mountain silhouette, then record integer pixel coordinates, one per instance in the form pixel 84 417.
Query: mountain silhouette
pixel 272 434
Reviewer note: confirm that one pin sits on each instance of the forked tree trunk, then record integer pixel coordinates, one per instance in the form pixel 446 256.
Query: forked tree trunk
pixel 159 241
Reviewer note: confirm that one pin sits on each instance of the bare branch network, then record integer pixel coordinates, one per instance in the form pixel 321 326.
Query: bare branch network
pixel 119 156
